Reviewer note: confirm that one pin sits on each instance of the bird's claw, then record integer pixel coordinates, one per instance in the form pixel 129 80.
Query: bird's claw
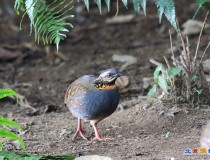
pixel 81 132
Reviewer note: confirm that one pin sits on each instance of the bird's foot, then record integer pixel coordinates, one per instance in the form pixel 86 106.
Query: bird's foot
pixel 81 132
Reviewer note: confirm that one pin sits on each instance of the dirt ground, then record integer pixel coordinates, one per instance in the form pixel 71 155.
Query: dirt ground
pixel 42 76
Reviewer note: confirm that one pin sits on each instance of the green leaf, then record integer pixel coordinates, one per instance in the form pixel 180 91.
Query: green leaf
pixel 194 78
pixel 199 91
pixel 19 5
pixel 167 7
pixel 47 19
pixel 98 2
pixel 7 92
pixel 1 146
pixel 157 71
pixel 7 134
pixel 86 2
pixel 136 6
pixel 143 4
pixel 201 3
pixel 174 71
pixel 8 122
pixel 152 91
pixel 125 2
pixel 11 155
pixel 163 83
pixel 108 4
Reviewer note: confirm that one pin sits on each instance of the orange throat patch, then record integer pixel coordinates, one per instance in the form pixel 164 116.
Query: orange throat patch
pixel 105 86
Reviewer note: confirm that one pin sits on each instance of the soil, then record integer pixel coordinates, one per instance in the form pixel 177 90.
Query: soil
pixel 42 77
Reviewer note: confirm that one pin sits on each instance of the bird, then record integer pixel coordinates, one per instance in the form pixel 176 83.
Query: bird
pixel 93 98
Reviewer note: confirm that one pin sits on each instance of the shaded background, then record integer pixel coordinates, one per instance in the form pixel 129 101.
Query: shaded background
pixel 42 76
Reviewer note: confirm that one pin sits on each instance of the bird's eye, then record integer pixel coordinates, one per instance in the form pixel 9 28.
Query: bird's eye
pixel 109 74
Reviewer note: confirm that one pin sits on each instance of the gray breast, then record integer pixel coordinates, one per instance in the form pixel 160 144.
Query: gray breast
pixel 101 103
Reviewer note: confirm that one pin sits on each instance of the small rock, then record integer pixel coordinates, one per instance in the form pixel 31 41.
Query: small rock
pixel 120 19
pixel 147 82
pixel 122 82
pixel 93 157
pixel 124 58
pixel 205 136
pixel 193 27
pixel 17 145
pixel 206 66
pixel 127 60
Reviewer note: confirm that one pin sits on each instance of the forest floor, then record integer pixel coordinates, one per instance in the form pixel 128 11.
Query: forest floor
pixel 42 77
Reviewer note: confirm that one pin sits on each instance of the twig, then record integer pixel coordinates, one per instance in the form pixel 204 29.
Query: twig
pixel 204 53
pixel 188 59
pixel 172 48
pixel 182 39
pixel 188 49
pixel 155 62
pixel 167 63
pixel 117 7
pixel 199 38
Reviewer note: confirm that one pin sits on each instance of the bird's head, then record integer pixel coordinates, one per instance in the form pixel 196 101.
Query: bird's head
pixel 107 79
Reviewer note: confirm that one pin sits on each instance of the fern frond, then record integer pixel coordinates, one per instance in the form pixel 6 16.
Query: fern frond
pixel 108 4
pixel 201 3
pixel 19 5
pixel 98 2
pixel 125 2
pixel 166 7
pixel 87 4
pixel 47 20
pixel 137 5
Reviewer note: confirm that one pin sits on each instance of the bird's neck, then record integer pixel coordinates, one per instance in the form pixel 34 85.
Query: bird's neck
pixel 105 86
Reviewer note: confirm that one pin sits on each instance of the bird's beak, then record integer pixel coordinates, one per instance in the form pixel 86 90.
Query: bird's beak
pixel 118 74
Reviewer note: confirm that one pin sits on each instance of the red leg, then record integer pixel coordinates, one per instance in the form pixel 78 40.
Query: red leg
pixel 97 135
pixel 79 131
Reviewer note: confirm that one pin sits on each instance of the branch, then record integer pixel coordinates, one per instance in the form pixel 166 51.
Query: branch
pixel 199 38
pixel 204 53
pixel 172 48
pixel 117 7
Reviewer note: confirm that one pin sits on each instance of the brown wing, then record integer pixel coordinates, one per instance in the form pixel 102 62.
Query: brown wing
pixel 82 83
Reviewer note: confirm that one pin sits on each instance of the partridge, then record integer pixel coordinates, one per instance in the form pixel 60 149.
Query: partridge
pixel 93 98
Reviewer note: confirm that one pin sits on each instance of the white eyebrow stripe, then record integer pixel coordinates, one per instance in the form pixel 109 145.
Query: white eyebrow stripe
pixel 104 74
